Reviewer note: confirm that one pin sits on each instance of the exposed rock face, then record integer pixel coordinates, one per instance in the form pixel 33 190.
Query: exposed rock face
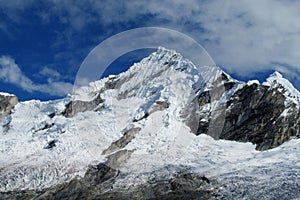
pixel 159 106
pixel 98 184
pixel 200 114
pixel 123 141
pixel 7 103
pixel 254 115
pixel 77 106
pixel 116 159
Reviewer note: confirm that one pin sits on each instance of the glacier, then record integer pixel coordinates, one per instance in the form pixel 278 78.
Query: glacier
pixel 43 148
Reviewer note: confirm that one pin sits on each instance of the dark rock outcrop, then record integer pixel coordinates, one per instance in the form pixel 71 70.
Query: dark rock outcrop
pixel 200 116
pixel 254 115
pixel 116 159
pixel 77 106
pixel 159 106
pixel 51 144
pixel 7 103
pixel 98 184
pixel 123 141
pixel 46 126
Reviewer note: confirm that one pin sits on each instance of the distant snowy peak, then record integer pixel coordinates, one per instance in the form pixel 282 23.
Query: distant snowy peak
pixel 277 81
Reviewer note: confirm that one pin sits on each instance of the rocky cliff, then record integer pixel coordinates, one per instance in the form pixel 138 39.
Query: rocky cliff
pixel 7 103
pixel 255 114
pixel 266 114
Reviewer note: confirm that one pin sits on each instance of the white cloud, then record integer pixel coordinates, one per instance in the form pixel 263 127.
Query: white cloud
pixel 11 73
pixel 244 37
pixel 51 73
pixel 248 36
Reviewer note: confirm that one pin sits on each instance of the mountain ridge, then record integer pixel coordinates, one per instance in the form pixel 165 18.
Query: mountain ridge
pixel 150 123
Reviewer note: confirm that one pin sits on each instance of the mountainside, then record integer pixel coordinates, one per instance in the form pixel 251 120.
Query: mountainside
pixel 163 129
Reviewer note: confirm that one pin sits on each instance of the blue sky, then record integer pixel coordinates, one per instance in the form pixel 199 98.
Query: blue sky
pixel 43 43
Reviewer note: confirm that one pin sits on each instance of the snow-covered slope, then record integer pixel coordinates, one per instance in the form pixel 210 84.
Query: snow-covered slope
pixel 43 148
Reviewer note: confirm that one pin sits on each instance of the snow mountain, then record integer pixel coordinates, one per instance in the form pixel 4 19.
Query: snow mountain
pixel 163 129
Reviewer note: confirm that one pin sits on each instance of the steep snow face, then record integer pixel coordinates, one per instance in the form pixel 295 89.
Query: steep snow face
pixel 156 69
pixel 42 148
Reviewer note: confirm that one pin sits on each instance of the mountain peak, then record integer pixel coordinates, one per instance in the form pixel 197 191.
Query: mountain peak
pixel 276 74
pixel 277 81
pixel 158 68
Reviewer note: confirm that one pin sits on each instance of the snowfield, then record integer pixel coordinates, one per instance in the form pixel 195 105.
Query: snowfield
pixel 164 145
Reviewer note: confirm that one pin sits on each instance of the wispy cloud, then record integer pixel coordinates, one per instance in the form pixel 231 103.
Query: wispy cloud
pixel 249 36
pixel 11 73
pixel 242 36
pixel 49 72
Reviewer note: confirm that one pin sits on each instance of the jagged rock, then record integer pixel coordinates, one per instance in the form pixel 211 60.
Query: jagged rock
pixel 204 98
pixel 5 123
pixel 51 115
pixel 254 115
pixel 99 173
pixel 7 103
pixel 159 106
pixel 46 126
pixel 123 141
pixel 199 115
pixel 77 106
pixel 51 144
pixel 116 159
pixel 205 115
pixel 223 82
pixel 98 182
pixel 180 186
pixel 140 117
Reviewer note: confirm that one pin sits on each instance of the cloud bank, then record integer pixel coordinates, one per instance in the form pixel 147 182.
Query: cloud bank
pixel 243 37
pixel 11 73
